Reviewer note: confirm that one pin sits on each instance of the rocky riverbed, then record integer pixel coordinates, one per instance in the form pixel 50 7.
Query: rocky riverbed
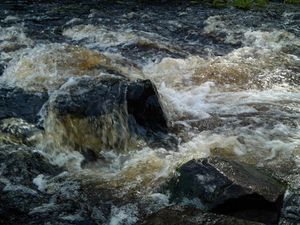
pixel 136 113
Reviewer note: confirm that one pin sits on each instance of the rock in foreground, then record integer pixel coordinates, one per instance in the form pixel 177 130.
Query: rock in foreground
pixel 33 191
pixel 230 188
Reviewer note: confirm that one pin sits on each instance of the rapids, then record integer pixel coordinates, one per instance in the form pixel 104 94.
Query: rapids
pixel 229 83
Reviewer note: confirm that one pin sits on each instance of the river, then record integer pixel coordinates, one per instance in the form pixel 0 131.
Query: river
pixel 228 81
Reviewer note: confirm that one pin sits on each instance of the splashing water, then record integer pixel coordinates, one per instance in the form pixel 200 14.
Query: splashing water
pixel 239 98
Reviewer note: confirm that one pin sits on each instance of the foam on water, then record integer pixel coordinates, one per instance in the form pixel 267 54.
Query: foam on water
pixel 48 66
pixel 107 39
pixel 12 41
pixel 40 182
pixel 126 214
pixel 253 90
pixel 99 36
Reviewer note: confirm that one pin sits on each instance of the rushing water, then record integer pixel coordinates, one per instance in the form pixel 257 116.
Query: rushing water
pixel 228 80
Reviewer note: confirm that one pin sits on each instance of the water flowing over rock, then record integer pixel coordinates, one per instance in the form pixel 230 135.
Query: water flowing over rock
pixel 46 67
pixel 93 114
pixel 96 96
pixel 33 191
pixel 230 188
pixel 18 195
pixel 18 131
pixel 178 215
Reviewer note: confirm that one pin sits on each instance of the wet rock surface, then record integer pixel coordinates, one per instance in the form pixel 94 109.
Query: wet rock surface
pixel 178 215
pixel 33 191
pixel 290 210
pixel 2 68
pixel 18 131
pixel 19 166
pixel 228 187
pixel 238 68
pixel 15 102
pixel 108 112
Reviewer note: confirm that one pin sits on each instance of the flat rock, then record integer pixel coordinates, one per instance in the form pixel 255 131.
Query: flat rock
pixel 228 187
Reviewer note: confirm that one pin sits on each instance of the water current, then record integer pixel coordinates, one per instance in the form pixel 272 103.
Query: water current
pixel 228 81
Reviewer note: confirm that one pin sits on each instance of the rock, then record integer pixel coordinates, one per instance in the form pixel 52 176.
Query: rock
pixel 92 114
pixel 18 131
pixel 15 102
pixel 21 165
pixel 230 188
pixel 18 194
pixel 178 215
pixel 33 191
pixel 2 68
pixel 291 208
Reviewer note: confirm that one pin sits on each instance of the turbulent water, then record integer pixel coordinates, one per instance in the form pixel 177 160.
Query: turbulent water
pixel 228 81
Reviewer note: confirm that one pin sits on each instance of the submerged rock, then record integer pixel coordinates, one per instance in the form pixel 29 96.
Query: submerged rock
pixel 178 215
pixel 228 187
pixel 15 102
pixel 18 131
pixel 93 114
pixel 33 191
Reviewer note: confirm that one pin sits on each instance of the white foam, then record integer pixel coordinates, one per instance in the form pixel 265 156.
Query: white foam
pixel 99 35
pixel 173 71
pixel 10 18
pixel 41 182
pixel 126 214
pixel 274 40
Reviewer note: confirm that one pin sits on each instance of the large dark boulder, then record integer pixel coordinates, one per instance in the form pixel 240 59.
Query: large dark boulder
pixel 179 215
pixel 92 114
pixel 15 102
pixel 228 187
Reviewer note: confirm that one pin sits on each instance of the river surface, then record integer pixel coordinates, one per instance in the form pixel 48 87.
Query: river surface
pixel 228 81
